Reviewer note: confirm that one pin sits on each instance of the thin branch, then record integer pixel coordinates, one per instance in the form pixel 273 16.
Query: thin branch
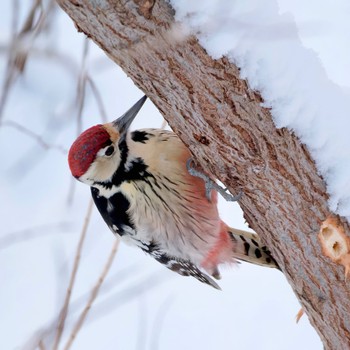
pixel 93 295
pixel 17 54
pixel 29 233
pixel 106 306
pixel 33 135
pixel 31 30
pixel 10 70
pixel 81 86
pixel 46 332
pixel 80 99
pixel 164 124
pixel 131 292
pixel 64 311
pixel 41 345
pixel 48 53
pixel 98 98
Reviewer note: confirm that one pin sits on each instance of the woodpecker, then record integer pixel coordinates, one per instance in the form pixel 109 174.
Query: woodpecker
pixel 144 187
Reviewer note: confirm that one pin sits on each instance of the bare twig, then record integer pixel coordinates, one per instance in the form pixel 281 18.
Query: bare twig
pixel 106 306
pixel 18 54
pixel 51 53
pixel 64 311
pixel 29 233
pixel 131 292
pixel 30 31
pixel 164 124
pixel 10 72
pixel 41 345
pixel 29 27
pixel 93 295
pixel 80 99
pixel 33 135
pixel 81 86
pixel 98 98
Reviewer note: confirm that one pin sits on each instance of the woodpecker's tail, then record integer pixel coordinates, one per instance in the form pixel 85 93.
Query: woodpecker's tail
pixel 249 248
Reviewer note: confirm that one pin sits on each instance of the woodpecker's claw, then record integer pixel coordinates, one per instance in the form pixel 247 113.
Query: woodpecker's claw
pixel 211 185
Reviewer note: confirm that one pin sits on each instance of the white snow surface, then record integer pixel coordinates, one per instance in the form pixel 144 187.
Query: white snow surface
pixel 297 54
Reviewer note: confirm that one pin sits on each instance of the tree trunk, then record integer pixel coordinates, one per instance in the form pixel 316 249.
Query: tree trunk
pixel 233 137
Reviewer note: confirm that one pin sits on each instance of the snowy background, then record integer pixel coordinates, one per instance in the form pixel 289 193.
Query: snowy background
pixel 141 304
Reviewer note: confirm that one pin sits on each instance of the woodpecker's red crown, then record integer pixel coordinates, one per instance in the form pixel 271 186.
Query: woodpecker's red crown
pixel 84 149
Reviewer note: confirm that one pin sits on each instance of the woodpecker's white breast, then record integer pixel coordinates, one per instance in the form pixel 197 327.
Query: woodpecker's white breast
pixel 168 206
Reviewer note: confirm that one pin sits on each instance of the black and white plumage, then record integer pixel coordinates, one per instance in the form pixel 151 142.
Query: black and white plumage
pixel 143 190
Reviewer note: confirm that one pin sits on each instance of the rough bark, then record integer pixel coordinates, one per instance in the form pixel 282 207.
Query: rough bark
pixel 228 131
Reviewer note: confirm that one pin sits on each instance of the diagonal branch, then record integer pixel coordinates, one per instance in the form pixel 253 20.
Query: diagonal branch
pixel 232 136
pixel 93 296
pixel 64 311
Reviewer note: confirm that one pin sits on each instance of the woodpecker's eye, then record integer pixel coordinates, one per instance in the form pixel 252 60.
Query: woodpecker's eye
pixel 109 151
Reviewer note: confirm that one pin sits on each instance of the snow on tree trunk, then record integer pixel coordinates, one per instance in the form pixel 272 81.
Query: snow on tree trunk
pixel 233 137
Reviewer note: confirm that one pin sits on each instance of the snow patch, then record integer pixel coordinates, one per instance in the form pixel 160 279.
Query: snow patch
pixel 297 83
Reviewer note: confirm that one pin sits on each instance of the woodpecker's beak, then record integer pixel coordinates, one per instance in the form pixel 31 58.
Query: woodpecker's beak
pixel 123 123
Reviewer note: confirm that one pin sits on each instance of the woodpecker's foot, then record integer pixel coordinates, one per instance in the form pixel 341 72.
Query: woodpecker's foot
pixel 211 185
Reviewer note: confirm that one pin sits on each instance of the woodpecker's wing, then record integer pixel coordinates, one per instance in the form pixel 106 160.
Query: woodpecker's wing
pixel 181 266
pixel 249 248
pixel 114 212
